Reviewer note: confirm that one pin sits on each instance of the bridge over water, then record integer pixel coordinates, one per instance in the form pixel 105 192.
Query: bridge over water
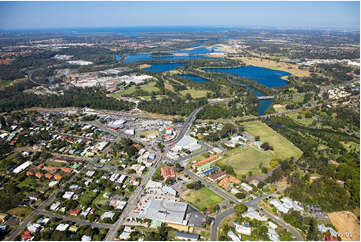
pixel 265 97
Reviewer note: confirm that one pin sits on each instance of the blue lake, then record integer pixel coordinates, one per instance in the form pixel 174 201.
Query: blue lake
pixel 193 78
pixel 198 51
pixel 147 56
pixel 163 67
pixel 264 76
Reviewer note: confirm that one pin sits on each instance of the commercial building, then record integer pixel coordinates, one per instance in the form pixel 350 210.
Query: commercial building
pixel 22 167
pixel 166 211
pixel 116 124
pixel 187 143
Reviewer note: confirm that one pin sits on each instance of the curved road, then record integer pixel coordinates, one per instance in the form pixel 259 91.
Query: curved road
pixel 217 222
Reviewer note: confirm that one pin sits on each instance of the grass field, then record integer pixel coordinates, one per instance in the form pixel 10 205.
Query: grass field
pixel 203 198
pixel 149 87
pixel 87 197
pixel 198 158
pixel 195 93
pixel 282 147
pixel 100 199
pixel 244 159
pixel 303 121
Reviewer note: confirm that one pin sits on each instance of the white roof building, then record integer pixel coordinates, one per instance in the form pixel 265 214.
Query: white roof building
pixel 272 234
pixel 129 132
pixel 166 211
pixel 53 183
pixel 246 187
pixel 272 225
pixel 85 212
pixel 54 206
pixel 278 205
pixel 233 236
pixel 243 229
pixel 86 238
pixel 22 167
pixel 121 178
pixel 253 214
pixel 102 145
pixel 68 195
pixel 108 214
pixel 43 220
pixel 323 229
pixel 187 143
pixel 90 173
pixel 169 190
pixel 62 227
pixel 33 227
pixel 124 235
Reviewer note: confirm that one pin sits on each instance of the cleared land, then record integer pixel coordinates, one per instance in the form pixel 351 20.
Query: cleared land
pixel 245 159
pixel 279 108
pixel 283 148
pixel 149 132
pixel 20 211
pixel 346 222
pixel 202 198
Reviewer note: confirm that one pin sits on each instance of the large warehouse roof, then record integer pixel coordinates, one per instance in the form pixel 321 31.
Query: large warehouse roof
pixel 166 211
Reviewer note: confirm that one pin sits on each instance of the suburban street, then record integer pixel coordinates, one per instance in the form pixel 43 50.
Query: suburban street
pixel 113 229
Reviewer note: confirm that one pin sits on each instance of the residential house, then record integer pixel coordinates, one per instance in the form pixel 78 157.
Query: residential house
pixel 243 229
pixel 233 236
pixel 186 236
pixel 62 227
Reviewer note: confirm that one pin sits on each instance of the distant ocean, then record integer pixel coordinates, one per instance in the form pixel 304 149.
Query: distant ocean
pixel 131 31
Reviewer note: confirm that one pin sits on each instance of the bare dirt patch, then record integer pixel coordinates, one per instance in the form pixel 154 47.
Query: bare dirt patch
pixel 345 222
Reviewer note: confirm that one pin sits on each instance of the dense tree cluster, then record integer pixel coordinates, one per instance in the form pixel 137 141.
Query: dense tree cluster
pixel 338 187
pixel 13 98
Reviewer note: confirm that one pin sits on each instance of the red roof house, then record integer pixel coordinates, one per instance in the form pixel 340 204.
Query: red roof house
pixel 26 236
pixel 167 172
pixel 75 212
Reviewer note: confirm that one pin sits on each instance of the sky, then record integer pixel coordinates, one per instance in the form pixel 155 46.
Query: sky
pixel 38 15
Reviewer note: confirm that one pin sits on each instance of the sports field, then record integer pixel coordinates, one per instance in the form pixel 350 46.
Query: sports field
pixel 202 198
pixel 244 159
pixel 282 147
